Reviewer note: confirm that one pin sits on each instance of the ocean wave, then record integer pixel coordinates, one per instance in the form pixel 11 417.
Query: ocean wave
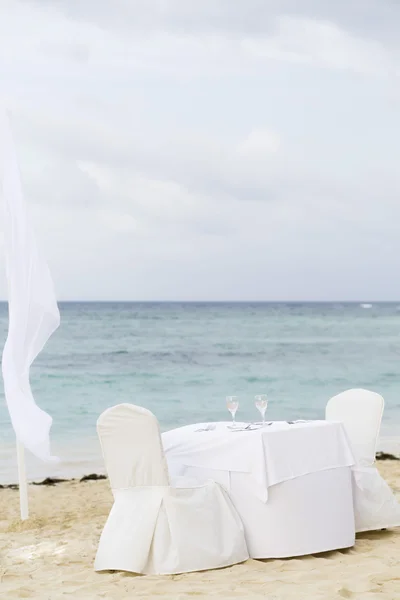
pixel 254 379
pixel 232 354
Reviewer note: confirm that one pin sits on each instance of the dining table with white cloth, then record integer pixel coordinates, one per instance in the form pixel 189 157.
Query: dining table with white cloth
pixel 289 481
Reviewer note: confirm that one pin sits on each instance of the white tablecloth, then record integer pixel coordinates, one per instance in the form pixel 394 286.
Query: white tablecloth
pixel 271 454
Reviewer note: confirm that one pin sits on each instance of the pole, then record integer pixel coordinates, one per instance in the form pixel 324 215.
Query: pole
pixel 23 484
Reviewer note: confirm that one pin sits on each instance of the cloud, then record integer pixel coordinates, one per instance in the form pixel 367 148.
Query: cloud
pixel 74 51
pixel 208 150
pixel 179 37
pixel 65 184
pixel 255 17
pixel 323 44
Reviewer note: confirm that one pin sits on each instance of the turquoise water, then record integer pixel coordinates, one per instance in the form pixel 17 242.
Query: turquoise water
pixel 182 359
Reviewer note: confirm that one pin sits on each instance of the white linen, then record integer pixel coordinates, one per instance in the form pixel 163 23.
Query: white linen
pixel 304 515
pixel 165 530
pixel 360 411
pixel 33 311
pixel 271 454
pixel 375 505
pixel 124 430
pixel 307 475
pixel 153 528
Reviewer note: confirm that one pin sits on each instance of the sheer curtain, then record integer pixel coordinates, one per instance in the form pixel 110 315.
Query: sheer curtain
pixel 33 310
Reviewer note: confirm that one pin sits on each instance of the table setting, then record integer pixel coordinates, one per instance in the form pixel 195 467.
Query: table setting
pixel 232 403
pixel 211 494
pixel 280 475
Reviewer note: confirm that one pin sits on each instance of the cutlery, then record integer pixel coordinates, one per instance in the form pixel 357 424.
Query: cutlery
pixel 249 427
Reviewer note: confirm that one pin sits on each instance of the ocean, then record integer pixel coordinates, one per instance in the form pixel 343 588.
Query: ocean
pixel 180 360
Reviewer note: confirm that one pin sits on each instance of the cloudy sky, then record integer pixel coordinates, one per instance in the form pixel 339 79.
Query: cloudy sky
pixel 209 149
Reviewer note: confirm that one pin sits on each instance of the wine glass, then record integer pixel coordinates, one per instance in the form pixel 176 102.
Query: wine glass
pixel 232 404
pixel 262 403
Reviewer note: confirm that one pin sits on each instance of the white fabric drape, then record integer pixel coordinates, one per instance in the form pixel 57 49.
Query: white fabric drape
pixel 271 455
pixel 33 310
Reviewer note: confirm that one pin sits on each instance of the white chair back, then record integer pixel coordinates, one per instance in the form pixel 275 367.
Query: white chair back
pixel 132 448
pixel 361 412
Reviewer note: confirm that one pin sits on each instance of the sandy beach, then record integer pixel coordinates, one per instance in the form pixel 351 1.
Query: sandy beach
pixel 51 556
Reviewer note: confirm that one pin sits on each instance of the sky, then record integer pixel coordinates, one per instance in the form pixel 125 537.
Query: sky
pixel 211 149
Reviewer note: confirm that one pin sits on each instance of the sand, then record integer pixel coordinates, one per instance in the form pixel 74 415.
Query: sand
pixel 51 557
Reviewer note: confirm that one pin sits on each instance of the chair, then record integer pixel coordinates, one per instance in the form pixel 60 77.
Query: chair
pixel 360 411
pixel 154 528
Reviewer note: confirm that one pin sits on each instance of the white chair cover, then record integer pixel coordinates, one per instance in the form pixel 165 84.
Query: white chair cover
pixel 360 411
pixel 153 528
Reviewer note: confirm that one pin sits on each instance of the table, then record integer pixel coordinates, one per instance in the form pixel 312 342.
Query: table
pixel 290 483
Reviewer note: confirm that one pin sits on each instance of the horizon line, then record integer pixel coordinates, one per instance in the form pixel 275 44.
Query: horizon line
pixel 5 301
